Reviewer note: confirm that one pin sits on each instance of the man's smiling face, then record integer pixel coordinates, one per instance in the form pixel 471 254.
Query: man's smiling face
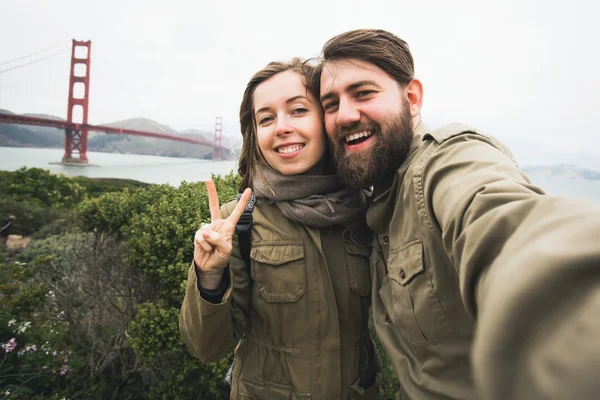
pixel 367 118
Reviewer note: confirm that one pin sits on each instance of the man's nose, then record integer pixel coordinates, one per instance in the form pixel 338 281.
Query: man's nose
pixel 347 113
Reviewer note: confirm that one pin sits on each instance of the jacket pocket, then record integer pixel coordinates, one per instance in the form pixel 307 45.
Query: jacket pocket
pixel 359 270
pixel 251 389
pixel 278 269
pixel 417 311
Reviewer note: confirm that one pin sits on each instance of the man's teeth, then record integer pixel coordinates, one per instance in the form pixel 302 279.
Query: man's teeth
pixel 358 135
pixel 289 149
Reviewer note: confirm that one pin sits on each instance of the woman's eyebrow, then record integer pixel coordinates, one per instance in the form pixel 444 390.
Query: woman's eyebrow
pixel 290 100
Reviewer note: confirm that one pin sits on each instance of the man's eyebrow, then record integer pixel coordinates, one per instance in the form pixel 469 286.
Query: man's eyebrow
pixel 288 101
pixel 358 84
pixel 327 96
pixel 349 88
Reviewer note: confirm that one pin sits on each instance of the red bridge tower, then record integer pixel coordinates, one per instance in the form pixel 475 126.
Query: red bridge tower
pixel 217 149
pixel 76 139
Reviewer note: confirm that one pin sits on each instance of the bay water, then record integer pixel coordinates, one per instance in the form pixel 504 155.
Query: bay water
pixel 170 170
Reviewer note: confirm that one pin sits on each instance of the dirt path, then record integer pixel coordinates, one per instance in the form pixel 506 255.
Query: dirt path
pixel 16 241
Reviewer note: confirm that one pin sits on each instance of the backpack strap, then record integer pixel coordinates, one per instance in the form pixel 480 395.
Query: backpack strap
pixel 243 228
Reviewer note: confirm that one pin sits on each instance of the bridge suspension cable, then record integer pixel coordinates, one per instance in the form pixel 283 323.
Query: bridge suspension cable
pixel 119 81
pixel 33 61
pixel 122 91
pixel 62 44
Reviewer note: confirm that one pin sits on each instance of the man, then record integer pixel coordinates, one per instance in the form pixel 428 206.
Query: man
pixel 483 287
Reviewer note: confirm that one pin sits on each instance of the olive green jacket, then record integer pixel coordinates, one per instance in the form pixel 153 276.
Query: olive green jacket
pixel 483 287
pixel 301 320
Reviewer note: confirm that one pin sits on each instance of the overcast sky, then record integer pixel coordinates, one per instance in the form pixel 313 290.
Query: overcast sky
pixel 526 70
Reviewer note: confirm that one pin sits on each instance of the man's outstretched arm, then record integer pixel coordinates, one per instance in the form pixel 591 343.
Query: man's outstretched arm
pixel 529 268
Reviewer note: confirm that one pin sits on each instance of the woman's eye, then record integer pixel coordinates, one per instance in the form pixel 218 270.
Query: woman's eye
pixel 300 110
pixel 265 120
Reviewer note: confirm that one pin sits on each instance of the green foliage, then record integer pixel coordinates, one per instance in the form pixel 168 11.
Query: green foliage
pixel 59 224
pixel 108 298
pixel 157 225
pixel 107 213
pixel 96 187
pixel 389 386
pixel 85 302
pixel 31 216
pixel 42 202
pixel 227 186
pixel 36 364
pixel 20 298
pixel 155 330
pixel 160 240
pixel 50 247
pixel 112 212
pixel 39 186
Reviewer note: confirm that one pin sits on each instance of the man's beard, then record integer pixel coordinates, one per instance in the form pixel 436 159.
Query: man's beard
pixel 390 150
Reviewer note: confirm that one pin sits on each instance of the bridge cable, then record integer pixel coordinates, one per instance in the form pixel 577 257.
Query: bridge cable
pixel 33 62
pixel 131 96
pixel 33 54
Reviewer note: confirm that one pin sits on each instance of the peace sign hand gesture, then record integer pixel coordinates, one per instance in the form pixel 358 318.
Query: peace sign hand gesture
pixel 212 242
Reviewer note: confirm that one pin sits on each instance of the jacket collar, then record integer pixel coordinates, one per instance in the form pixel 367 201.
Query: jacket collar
pixel 384 192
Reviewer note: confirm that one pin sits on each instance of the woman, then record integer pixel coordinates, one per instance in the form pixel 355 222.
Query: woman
pixel 300 312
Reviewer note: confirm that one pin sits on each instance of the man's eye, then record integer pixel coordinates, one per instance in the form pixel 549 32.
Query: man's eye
pixel 330 106
pixel 363 93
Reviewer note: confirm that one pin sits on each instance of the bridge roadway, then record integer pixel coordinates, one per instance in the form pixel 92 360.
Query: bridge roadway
pixel 60 124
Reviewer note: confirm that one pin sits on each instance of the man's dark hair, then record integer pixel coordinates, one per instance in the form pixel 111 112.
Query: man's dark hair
pixel 376 46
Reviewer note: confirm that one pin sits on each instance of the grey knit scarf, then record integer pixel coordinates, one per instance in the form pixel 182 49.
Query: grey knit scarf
pixel 315 200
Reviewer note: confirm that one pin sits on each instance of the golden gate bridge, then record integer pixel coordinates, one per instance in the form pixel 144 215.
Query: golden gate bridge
pixel 76 133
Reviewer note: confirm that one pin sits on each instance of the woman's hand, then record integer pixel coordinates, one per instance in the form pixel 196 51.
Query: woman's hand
pixel 212 242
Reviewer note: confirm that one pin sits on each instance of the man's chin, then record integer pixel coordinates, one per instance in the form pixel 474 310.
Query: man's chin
pixel 356 171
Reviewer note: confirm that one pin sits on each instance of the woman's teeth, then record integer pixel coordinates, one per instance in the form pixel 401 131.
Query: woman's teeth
pixel 289 149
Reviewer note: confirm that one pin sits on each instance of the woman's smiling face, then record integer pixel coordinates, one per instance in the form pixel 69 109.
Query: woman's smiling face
pixel 289 124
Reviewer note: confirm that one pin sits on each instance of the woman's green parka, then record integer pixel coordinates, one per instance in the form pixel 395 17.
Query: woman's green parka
pixel 300 322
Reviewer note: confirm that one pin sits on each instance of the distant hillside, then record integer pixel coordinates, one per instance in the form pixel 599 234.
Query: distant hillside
pixel 228 141
pixel 46 116
pixel 143 145
pixel 58 135
pixel 30 136
pixel 33 136
pixel 562 171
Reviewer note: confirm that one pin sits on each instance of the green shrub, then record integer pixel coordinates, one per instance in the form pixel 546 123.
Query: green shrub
pixel 30 216
pixel 108 298
pixel 39 186
pixel 160 240
pixel 112 212
pixel 155 330
pixel 95 187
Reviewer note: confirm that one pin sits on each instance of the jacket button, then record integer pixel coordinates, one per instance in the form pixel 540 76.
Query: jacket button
pixel 402 274
pixel 386 239
pixel 388 320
